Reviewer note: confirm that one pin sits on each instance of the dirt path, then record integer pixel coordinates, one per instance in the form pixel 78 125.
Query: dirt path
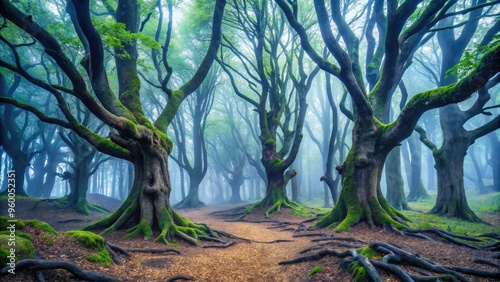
pixel 244 261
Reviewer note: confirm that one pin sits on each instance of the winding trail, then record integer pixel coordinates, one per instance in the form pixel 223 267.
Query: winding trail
pixel 243 261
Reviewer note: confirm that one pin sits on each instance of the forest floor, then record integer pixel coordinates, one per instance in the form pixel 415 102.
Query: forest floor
pixel 244 261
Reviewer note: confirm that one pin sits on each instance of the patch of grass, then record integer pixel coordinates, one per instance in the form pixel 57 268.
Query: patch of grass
pixel 316 269
pixel 488 203
pixel 423 220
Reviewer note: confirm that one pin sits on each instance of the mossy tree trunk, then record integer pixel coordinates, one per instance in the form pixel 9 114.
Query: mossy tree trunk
pixel 361 198
pixel 451 199
pixel 271 69
pixel 132 136
pixel 387 60
pixel 148 204
pixel 450 156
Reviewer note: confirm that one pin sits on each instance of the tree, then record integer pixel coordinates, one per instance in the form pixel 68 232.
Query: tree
pixel 406 27
pixel 84 164
pixel 269 69
pixel 132 136
pixel 199 106
pixel 451 199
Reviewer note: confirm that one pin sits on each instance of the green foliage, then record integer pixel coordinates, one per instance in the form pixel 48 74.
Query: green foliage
pixel 316 269
pixel 115 35
pixel 472 57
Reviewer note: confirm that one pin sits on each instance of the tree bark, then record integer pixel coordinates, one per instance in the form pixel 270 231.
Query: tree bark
pixel 395 185
pixel 148 204
pixel 361 198
pixel 417 190
pixel 451 200
pixel 495 160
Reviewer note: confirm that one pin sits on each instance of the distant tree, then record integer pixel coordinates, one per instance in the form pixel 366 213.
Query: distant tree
pixel 451 199
pixel 85 162
pixel 272 78
pixel 14 138
pixel 132 136
pixel 193 155
pixel 406 26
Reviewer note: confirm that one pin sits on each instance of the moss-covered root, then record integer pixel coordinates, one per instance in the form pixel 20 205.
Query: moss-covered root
pixel 92 242
pixel 83 206
pixel 278 201
pixel 349 212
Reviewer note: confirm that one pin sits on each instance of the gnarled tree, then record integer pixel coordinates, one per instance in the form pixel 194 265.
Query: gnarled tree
pixel 132 136
pixel 407 26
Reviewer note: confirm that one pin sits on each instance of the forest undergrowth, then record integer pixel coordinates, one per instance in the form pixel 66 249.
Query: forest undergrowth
pixel 280 248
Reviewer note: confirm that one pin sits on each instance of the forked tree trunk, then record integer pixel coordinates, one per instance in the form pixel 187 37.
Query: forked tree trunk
pixel 361 198
pixel 451 199
pixel 148 204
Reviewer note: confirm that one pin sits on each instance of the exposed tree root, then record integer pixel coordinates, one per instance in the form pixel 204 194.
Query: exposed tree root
pixel 276 201
pixel 152 251
pixel 179 277
pixel 335 244
pixel 450 237
pixel 113 255
pixel 40 264
pixel 117 249
pixel 226 245
pixel 392 256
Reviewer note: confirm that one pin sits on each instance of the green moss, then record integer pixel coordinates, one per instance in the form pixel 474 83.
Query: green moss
pixel 4 223
pixel 92 242
pixel 142 228
pixel 102 257
pixel 370 253
pixel 18 234
pixel 24 249
pixel 316 269
pixel 88 239
pixel 40 225
pixel 382 127
pixel 358 272
pixel 277 161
